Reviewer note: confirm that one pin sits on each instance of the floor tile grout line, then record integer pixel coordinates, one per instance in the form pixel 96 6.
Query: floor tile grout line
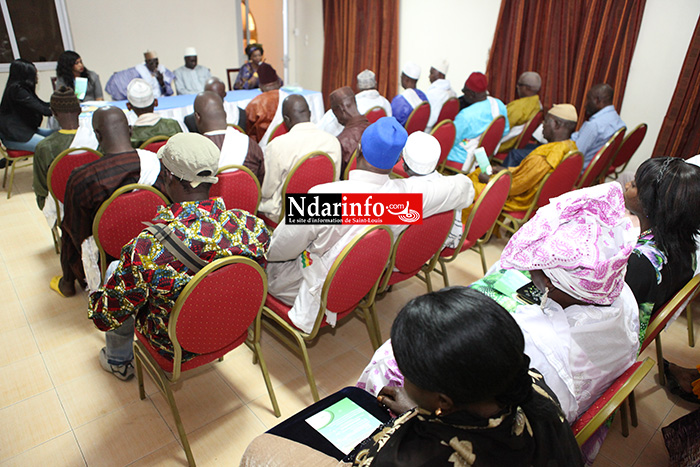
pixel 4 461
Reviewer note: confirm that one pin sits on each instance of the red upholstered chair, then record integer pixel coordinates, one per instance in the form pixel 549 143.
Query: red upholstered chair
pixel 352 165
pixel 662 317
pixel 57 179
pixel 279 130
pixel 313 169
pixel 120 219
pixel 627 149
pixel 239 188
pixel 13 158
pixel 375 113
pixel 488 140
pixel 601 160
pixel 418 119
pixel 479 225
pixel 233 125
pixel 555 183
pixel 445 133
pixel 351 283
pixel 449 110
pixel 416 250
pixel 155 143
pixel 620 392
pixel 210 318
pixel 525 136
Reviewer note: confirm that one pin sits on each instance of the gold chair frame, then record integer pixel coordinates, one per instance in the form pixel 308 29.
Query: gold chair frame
pixel 237 127
pixel 249 172
pixel 621 169
pixel 154 139
pixel 441 168
pixel 103 207
pixel 144 360
pixel 481 141
pixel 294 169
pixel 413 113
pixel 274 130
pixel 595 159
pixel 376 107
pixel 353 158
pixel 14 161
pixel 281 328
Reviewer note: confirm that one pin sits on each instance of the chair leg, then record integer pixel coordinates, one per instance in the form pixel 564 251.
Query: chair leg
pixel 307 366
pixel 168 393
pixel 623 420
pixel 691 331
pixel 371 329
pixel 633 409
pixel 660 360
pixel 12 179
pixel 443 269
pixel 139 377
pixel 56 239
pixel 266 376
pixel 428 282
pixel 4 177
pixel 483 258
pixel 377 328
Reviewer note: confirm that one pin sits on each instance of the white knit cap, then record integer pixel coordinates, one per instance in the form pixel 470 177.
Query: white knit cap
pixel 412 70
pixel 421 153
pixel 139 93
pixel 366 80
pixel 442 66
pixel 190 52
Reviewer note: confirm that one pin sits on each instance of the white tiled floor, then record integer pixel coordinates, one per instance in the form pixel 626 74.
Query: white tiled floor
pixel 57 407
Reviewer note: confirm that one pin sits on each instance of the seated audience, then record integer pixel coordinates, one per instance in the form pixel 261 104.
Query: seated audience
pixel 150 276
pixel 236 148
pixel 470 396
pixel 354 123
pixel 558 126
pixel 521 111
pixel 584 333
pixel 664 195
pixel 298 283
pixel 191 77
pixel 148 124
pixel 261 110
pixel 403 104
pixel 69 67
pixel 603 121
pixel 157 76
pixel 472 121
pixel 248 74
pixel 234 114
pixel 285 151
pixel 91 184
pixel 438 92
pixel 66 110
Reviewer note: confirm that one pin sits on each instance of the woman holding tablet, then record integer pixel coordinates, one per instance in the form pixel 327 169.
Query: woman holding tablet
pixel 469 396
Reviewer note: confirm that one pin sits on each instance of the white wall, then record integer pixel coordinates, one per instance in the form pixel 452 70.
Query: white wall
pixel 306 43
pixel 667 28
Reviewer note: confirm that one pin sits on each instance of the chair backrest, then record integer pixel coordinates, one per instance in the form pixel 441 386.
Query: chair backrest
pixel 231 74
pixel 375 113
pixel 54 79
pixel 562 179
pixel 279 130
pixel 491 137
pixel 155 143
pixel 352 165
pixel 601 160
pixel 233 125
pixel 368 252
pixel 62 166
pixel 445 132
pixel 627 148
pixel 673 306
pixel 210 314
pixel 120 218
pixel 418 119
pixel 416 245
pixel 486 209
pixel 449 110
pixel 313 169
pixel 239 188
pixel 529 129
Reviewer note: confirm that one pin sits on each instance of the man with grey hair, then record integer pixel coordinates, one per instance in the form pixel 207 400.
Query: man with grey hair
pixel 439 91
pixel 521 110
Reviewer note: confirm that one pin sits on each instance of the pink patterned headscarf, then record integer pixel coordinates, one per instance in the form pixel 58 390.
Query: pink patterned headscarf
pixel 581 240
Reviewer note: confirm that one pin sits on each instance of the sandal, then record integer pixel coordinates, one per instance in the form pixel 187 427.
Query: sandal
pixel 54 285
pixel 675 388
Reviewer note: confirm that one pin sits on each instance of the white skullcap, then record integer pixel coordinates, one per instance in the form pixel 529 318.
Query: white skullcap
pixel 190 52
pixel 412 70
pixel 139 93
pixel 695 160
pixel 421 153
pixel 366 80
pixel 442 66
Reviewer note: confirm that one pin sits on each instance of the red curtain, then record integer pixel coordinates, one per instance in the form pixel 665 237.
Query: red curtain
pixel 680 131
pixel 360 34
pixel 572 44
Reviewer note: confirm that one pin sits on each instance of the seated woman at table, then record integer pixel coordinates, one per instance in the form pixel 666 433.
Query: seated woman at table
pixel 248 74
pixel 69 67
pixel 470 397
pixel 586 331
pixel 664 195
pixel 21 110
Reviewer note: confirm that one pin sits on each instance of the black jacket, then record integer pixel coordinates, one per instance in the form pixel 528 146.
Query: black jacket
pixel 21 114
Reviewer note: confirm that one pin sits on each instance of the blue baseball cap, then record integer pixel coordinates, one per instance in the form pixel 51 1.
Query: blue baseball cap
pixel 383 141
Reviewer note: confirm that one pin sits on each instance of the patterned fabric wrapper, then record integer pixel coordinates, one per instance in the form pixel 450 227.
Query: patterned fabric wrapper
pixel 581 240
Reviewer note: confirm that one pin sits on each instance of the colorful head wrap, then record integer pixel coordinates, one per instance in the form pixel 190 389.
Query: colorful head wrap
pixel 581 240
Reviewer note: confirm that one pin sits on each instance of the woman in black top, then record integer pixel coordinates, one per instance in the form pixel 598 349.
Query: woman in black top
pixel 69 67
pixel 21 111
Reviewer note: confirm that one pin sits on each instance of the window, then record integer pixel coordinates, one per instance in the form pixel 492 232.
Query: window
pixel 36 31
